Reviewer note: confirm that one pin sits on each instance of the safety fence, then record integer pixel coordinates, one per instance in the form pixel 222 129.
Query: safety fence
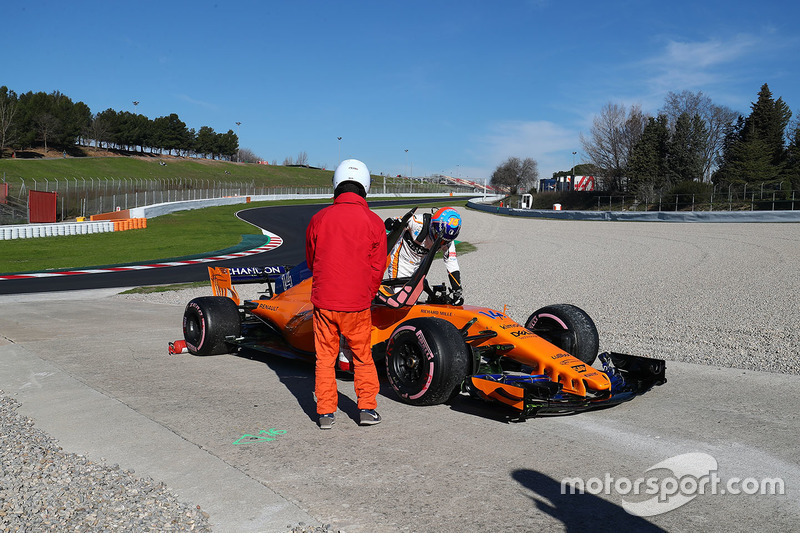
pixel 644 216
pixel 753 200
pixel 83 197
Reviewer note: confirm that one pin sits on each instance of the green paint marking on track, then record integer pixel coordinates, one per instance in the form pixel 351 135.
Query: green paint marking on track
pixel 251 439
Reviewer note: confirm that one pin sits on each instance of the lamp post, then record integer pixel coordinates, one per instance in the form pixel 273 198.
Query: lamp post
pixel 409 174
pixel 340 151
pixel 238 144
pixel 573 170
pixel 135 103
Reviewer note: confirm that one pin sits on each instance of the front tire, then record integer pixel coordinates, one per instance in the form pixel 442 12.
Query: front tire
pixel 426 361
pixel 569 327
pixel 207 321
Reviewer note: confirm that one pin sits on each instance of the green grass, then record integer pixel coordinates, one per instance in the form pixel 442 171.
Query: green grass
pixel 179 234
pixel 14 170
pixel 166 288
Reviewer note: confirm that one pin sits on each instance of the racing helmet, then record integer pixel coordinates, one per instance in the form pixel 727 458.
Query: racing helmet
pixel 352 170
pixel 447 223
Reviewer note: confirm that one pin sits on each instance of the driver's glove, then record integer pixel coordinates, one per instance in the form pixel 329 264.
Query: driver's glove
pixel 391 223
pixel 455 284
pixel 458 296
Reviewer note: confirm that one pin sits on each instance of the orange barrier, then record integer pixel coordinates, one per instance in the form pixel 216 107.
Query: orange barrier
pixel 113 215
pixel 130 223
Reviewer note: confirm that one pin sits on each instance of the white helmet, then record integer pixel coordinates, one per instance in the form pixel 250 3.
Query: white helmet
pixel 352 170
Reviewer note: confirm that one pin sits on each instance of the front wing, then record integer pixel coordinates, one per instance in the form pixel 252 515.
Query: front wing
pixel 535 395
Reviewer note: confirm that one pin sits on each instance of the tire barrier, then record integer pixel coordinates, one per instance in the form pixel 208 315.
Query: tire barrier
pixel 129 223
pixel 32 231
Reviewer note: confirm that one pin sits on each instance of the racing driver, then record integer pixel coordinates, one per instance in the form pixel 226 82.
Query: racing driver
pixel 417 239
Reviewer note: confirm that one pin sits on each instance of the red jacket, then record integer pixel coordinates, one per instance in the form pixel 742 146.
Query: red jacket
pixel 346 252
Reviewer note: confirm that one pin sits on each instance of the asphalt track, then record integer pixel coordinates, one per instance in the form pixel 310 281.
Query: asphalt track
pixel 287 221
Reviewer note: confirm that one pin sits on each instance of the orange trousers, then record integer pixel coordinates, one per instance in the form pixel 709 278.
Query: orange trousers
pixel 356 328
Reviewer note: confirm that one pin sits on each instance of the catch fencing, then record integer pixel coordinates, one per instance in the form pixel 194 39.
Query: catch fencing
pixel 83 197
pixel 754 199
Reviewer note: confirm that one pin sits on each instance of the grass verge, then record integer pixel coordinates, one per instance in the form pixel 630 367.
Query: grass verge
pixel 192 232
pixel 166 288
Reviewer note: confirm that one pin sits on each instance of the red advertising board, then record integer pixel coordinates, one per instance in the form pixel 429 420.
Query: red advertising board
pixel 41 207
pixel 3 193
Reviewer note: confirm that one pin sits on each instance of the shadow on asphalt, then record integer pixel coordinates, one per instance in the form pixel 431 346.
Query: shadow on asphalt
pixel 298 377
pixel 578 512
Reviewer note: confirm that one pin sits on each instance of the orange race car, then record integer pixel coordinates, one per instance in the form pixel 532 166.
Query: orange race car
pixel 432 351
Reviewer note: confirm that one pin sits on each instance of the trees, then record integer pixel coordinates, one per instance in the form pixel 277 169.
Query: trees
pixel 687 149
pixel 53 120
pixel 754 149
pixel 717 120
pixel 647 165
pixel 8 108
pixel 614 133
pixel 246 155
pixel 516 174
pixel 664 157
pixel 792 165
pixel 205 141
pixel 226 144
pixel 168 132
pixel 767 122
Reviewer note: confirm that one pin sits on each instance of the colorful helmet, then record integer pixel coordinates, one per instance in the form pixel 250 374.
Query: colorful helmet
pixel 447 223
pixel 352 170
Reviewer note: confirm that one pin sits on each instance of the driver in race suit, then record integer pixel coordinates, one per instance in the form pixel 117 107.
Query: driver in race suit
pixel 417 239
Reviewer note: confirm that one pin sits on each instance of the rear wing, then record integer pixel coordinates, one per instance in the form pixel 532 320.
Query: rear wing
pixel 277 279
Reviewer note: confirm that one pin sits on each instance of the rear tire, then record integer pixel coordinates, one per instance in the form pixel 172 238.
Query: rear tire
pixel 207 321
pixel 569 327
pixel 426 361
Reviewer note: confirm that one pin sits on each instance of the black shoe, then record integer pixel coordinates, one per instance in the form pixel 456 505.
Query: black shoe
pixel 326 421
pixel 369 417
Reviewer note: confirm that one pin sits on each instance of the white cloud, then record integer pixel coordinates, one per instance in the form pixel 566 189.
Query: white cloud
pixel 550 144
pixel 710 53
pixel 700 64
pixel 196 102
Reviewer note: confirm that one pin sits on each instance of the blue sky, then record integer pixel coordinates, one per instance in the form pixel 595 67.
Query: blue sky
pixel 462 85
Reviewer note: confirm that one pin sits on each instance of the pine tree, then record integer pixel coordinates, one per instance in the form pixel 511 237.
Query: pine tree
pixel 767 122
pixel 754 150
pixel 647 170
pixel 686 149
pixel 792 164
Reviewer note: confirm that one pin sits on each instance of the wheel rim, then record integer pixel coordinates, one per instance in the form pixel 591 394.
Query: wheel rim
pixel 192 329
pixel 407 364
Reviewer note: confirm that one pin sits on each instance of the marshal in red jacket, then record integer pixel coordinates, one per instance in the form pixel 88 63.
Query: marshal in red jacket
pixel 346 252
